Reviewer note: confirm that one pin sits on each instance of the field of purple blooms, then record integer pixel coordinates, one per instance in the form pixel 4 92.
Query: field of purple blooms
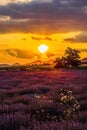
pixel 30 100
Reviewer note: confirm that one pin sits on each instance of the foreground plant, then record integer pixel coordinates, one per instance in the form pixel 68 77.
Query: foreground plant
pixel 70 105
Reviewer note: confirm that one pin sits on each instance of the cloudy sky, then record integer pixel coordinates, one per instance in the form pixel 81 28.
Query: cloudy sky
pixel 25 24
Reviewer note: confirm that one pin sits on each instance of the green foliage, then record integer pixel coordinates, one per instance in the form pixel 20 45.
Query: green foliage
pixel 71 59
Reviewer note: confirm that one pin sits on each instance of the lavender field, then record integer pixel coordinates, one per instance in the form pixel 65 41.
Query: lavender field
pixel 29 100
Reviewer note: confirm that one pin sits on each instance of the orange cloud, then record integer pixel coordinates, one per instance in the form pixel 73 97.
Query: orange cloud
pixel 22 54
pixel 40 38
pixel 80 38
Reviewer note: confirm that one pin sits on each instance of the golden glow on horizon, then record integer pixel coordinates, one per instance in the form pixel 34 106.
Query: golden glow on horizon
pixel 43 48
pixel 14 46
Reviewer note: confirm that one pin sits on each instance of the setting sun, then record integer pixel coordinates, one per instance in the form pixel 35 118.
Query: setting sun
pixel 43 48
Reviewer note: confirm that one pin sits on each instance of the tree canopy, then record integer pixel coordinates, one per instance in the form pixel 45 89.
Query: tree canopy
pixel 71 59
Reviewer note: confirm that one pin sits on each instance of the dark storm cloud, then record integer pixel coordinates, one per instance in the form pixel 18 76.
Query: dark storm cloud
pixel 21 53
pixel 45 18
pixel 81 38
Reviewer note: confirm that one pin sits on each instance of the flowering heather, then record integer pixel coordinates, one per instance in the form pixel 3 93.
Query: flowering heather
pixel 31 100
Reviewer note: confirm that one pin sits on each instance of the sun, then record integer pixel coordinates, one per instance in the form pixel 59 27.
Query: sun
pixel 43 48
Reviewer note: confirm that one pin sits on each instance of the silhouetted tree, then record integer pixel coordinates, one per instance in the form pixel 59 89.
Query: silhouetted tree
pixel 71 58
pixel 58 63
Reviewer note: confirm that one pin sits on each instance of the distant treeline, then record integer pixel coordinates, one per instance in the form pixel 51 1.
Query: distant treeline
pixel 29 67
pixel 35 67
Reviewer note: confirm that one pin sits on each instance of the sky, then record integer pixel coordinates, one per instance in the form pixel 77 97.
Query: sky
pixel 26 24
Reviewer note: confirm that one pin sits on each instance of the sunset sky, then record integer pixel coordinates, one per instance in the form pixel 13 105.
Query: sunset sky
pixel 26 24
